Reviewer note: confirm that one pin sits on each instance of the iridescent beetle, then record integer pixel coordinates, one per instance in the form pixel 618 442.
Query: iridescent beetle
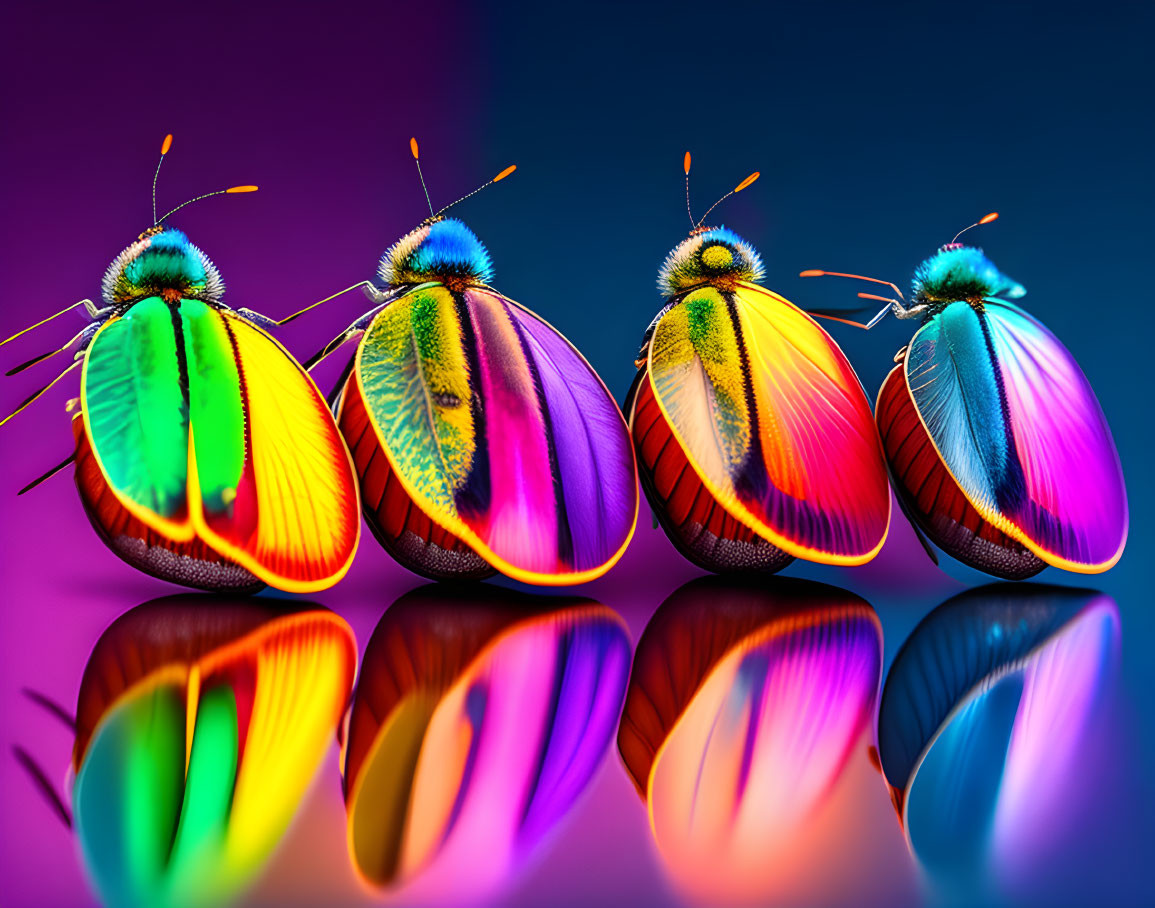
pixel 200 725
pixel 747 704
pixel 484 441
pixel 996 443
pixel 989 719
pixel 754 438
pixel 480 717
pixel 205 455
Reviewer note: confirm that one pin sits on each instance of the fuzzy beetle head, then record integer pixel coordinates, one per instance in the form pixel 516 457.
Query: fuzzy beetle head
pixel 957 272
pixel 441 249
pixel 712 255
pixel 161 262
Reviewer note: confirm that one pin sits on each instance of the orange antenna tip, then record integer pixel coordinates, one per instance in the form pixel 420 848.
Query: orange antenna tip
pixel 686 163
pixel 501 176
pixel 232 189
pixel 746 182
pixel 166 144
pixel 813 272
pixel 413 148
pixel 993 216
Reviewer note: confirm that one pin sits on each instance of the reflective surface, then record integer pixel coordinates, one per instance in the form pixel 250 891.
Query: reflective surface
pixel 199 726
pixel 746 704
pixel 492 754
pixel 983 727
pixel 480 717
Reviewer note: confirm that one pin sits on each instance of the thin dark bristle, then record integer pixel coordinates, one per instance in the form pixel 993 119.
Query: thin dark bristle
pixel 324 351
pixel 46 702
pixel 837 310
pixel 31 397
pixel 46 476
pixel 315 358
pixel 40 779
pixel 32 362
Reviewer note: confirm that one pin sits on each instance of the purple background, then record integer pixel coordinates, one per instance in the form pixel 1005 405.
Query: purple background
pixel 869 158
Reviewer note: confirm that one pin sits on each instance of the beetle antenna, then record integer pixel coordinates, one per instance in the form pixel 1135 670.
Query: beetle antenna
pixel 828 313
pixel 746 182
pixel 436 214
pixel 208 195
pixel 164 149
pixel 420 175
pixel 497 179
pixel 686 167
pixel 993 216
pixel 858 277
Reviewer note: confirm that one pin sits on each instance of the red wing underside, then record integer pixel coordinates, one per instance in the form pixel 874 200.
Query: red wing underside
pixel 402 528
pixel 696 523
pixel 191 563
pixel 929 492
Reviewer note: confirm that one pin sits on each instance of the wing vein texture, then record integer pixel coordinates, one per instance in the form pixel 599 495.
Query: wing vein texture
pixel 1036 456
pixel 811 480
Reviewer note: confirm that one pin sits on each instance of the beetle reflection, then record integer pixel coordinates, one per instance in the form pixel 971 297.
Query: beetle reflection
pixel 746 703
pixel 982 718
pixel 480 716
pixel 199 725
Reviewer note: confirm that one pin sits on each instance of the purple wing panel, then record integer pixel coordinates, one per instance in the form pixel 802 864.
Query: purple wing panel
pixel 1075 509
pixel 1017 425
pixel 592 495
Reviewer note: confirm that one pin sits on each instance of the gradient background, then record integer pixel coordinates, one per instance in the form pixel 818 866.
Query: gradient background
pixel 879 133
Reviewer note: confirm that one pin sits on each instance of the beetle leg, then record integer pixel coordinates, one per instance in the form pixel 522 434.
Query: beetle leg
pixel 261 321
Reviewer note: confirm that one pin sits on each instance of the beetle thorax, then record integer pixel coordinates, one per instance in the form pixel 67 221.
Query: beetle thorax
pixel 957 272
pixel 714 256
pixel 441 249
pixel 161 262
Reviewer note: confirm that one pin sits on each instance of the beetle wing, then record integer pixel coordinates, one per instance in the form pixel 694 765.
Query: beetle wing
pixel 501 432
pixel 136 416
pixel 295 515
pixel 191 563
pixel 196 743
pixel 205 427
pixel 700 528
pixel 404 530
pixel 932 499
pixel 774 421
pixel 1017 425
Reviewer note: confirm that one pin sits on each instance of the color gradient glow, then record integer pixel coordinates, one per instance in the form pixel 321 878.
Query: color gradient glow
pixel 773 420
pixel 983 724
pixel 745 705
pixel 1018 426
pixel 479 719
pixel 495 426
pixel 200 724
